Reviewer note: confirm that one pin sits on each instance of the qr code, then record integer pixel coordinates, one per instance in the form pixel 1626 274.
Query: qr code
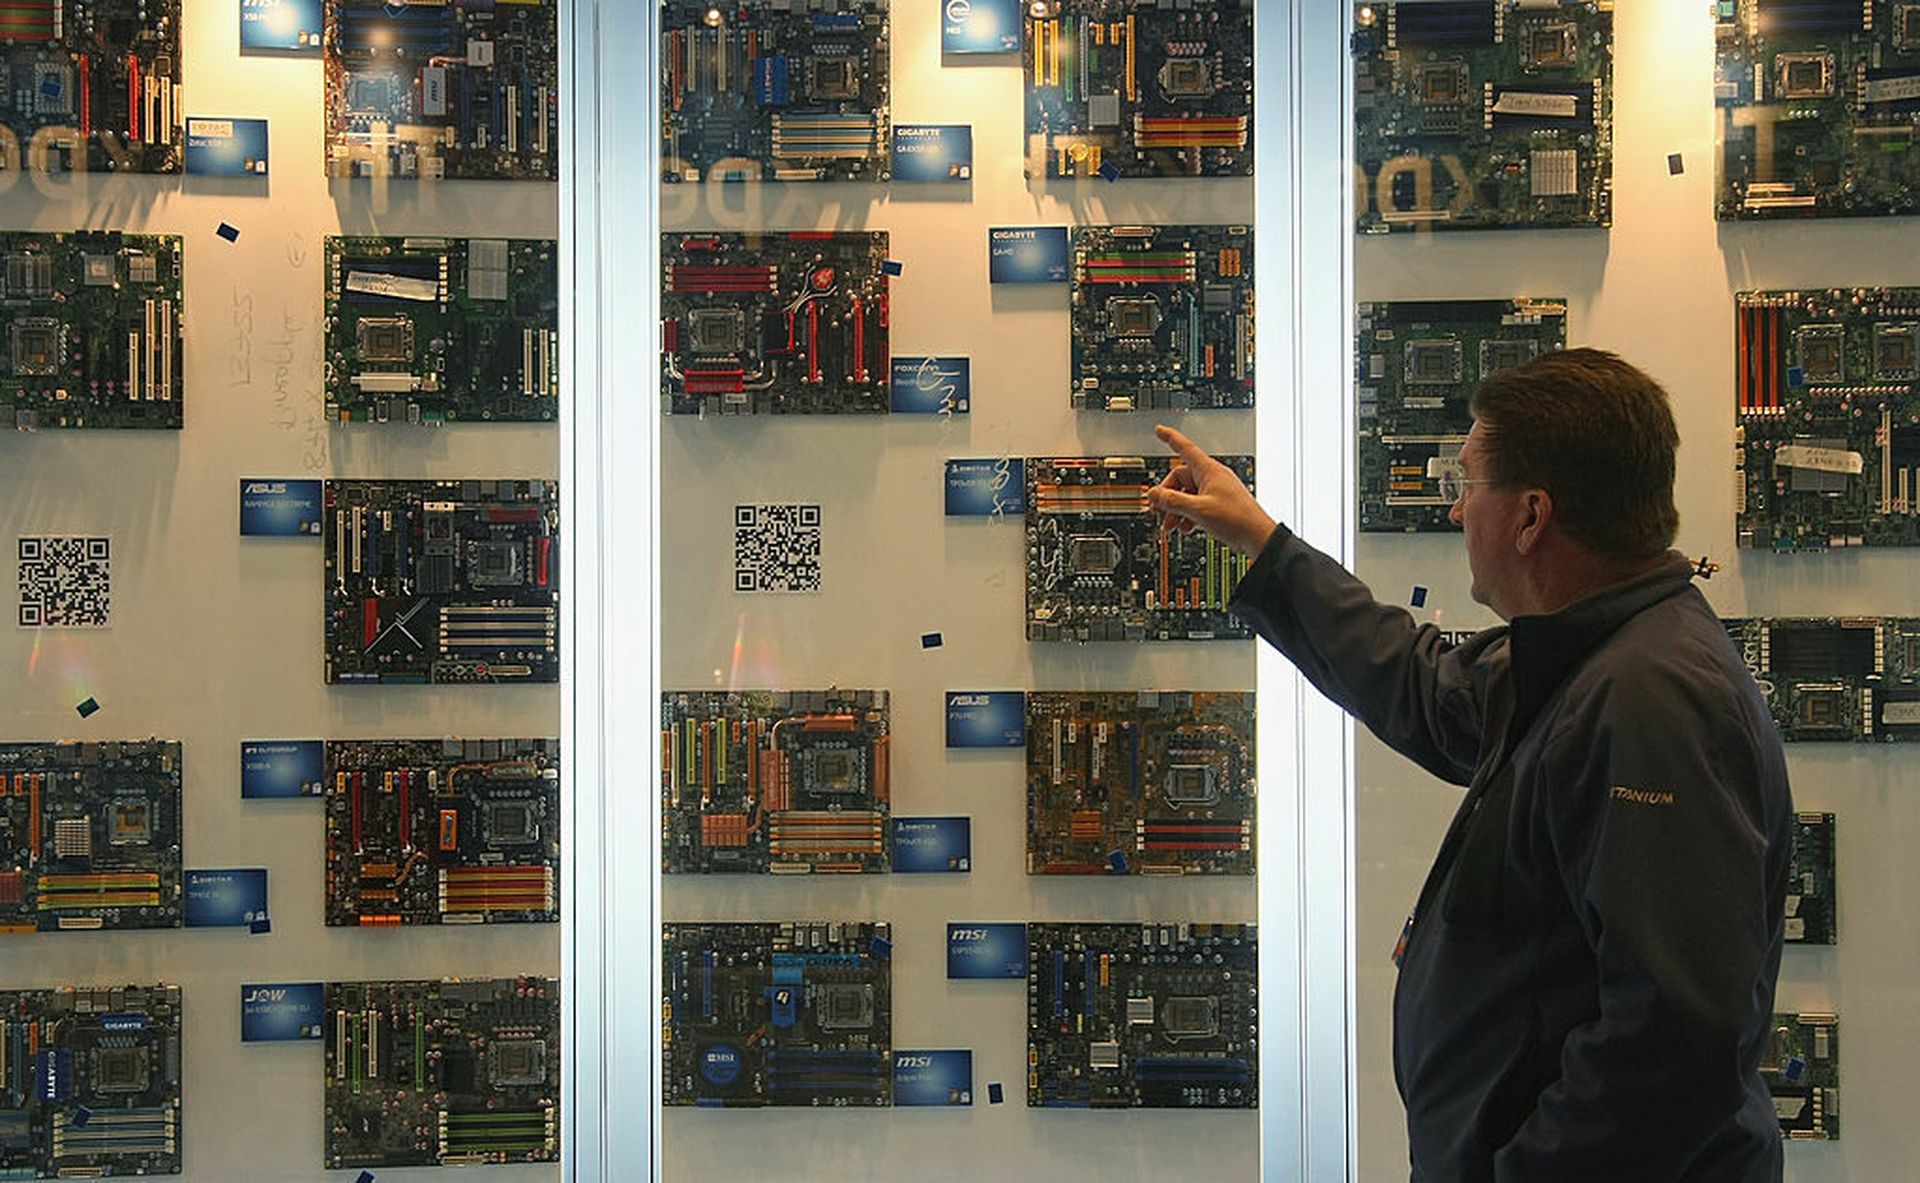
pixel 776 548
pixel 64 582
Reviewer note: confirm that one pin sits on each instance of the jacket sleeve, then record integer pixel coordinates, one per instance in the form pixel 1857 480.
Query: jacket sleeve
pixel 1655 805
pixel 1422 697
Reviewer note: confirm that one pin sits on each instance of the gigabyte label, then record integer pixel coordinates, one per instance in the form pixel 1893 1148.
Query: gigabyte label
pixel 279 508
pixel 931 386
pixel 281 767
pixel 932 152
pixel 932 844
pixel 227 147
pixel 986 488
pixel 115 1023
pixel 986 951
pixel 1027 254
pixel 282 26
pixel 938 1078
pixel 986 719
pixel 980 26
pixel 226 898
pixel 282 1011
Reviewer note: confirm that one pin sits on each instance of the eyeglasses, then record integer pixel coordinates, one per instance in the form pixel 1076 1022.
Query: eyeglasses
pixel 1453 484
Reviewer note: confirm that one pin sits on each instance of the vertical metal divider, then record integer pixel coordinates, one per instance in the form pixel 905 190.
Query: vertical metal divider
pixel 1303 188
pixel 609 250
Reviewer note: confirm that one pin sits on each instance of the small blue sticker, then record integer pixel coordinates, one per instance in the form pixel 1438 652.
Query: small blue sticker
pixel 986 719
pixel 931 385
pixel 980 26
pixel 271 768
pixel 995 1094
pixel 365 1177
pixel 260 925
pixel 986 950
pixel 81 1116
pixel 1675 164
pixel 281 26
pixel 986 487
pixel 274 1012
pixel 50 87
pixel 934 152
pixel 1419 597
pixel 275 508
pixel 229 232
pixel 1117 862
pixel 88 708
pixel 940 1077
pixel 1027 254
pixel 932 844
pixel 1109 170
pixel 226 147
pixel 232 898
pixel 892 266
pixel 930 640
pixel 880 947
pixel 1796 377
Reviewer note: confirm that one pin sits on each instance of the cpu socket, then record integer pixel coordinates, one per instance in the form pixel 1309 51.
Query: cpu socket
pixel 1550 46
pixel 37 346
pixel 385 338
pixel 511 824
pixel 1804 75
pixel 1440 84
pixel 493 564
pixel 1822 352
pixel 717 330
pixel 130 823
pixel 1894 349
pixel 1504 355
pixel 517 1061
pixel 1186 78
pixel 1190 1017
pixel 833 78
pixel 844 1006
pixel 120 1070
pixel 1129 316
pixel 1433 362
pixel 1093 554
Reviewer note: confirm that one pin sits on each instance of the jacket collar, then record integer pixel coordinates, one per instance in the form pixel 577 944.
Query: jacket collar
pixel 1545 649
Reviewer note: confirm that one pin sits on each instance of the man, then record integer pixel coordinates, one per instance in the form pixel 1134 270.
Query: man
pixel 1586 982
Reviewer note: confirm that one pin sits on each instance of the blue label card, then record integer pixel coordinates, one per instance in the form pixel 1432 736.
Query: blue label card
pixel 932 152
pixel 277 1011
pixel 986 719
pixel 932 844
pixel 1027 254
pixel 980 26
pixel 280 26
pixel 226 147
pixel 275 508
pixel 940 1077
pixel 281 767
pixel 232 898
pixel 931 386
pixel 986 950
pixel 986 488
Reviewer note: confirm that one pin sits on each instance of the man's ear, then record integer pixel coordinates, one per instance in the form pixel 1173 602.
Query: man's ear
pixel 1536 516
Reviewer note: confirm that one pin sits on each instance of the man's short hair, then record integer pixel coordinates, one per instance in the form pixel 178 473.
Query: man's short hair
pixel 1598 435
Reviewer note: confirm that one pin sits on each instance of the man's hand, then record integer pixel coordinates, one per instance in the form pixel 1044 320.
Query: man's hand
pixel 1202 492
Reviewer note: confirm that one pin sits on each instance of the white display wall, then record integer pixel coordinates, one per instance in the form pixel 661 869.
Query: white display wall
pixel 1658 288
pixel 216 638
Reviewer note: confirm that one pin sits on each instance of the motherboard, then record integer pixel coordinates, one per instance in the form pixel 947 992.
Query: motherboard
pixel 782 323
pixel 1818 107
pixel 1162 317
pixel 442 581
pixel 1812 878
pixel 1835 678
pixel 89 836
pixel 442 831
pixel 1802 1071
pixel 777 1014
pixel 89 1082
pixel 442 330
pixel 1419 363
pixel 1140 88
pixel 789 91
pixel 1153 782
pixel 778 781
pixel 92 328
pixel 1100 567
pixel 453 1072
pixel 431 89
pixel 1483 114
pixel 1153 1016
pixel 90 85
pixel 1827 443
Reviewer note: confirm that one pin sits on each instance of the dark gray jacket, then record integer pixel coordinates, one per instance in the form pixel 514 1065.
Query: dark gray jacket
pixel 1586 985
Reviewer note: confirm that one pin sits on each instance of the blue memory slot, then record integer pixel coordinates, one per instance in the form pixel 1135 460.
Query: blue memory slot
pixel 1161 1069
pixel 1452 23
pixel 1092 980
pixel 418 29
pixel 706 985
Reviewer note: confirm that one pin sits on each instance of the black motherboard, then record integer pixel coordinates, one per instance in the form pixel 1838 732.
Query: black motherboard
pixel 777 1014
pixel 453 1072
pixel 89 836
pixel 1131 1016
pixel 442 831
pixel 90 85
pixel 442 581
pixel 775 781
pixel 1835 678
